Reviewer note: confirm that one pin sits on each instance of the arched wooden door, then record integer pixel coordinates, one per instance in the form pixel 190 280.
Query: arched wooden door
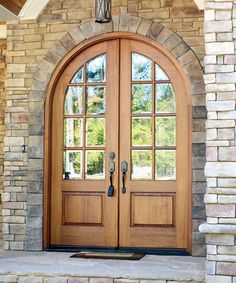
pixel 120 101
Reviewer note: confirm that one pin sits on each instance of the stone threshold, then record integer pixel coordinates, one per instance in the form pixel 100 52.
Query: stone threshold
pixel 58 267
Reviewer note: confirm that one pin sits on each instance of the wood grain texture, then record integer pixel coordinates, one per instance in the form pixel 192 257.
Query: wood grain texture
pixel 14 6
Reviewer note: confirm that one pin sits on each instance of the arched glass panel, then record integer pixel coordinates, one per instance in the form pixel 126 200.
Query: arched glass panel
pixel 85 122
pixel 160 75
pixel 141 68
pixel 96 70
pixel 78 77
pixel 153 122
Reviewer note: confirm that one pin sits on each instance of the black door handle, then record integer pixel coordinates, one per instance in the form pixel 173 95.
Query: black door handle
pixel 124 169
pixel 112 168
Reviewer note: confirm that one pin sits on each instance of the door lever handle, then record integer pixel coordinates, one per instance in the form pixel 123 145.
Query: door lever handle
pixel 124 169
pixel 111 188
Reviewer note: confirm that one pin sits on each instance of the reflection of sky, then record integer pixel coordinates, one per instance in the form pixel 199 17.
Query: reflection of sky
pixel 96 67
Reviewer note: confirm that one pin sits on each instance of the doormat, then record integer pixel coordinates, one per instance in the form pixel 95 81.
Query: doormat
pixel 106 255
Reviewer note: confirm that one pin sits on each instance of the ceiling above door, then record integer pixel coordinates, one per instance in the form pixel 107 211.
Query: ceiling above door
pixel 13 6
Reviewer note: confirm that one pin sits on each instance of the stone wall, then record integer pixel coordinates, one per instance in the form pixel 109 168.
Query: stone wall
pixel 2 127
pixel 28 44
pixel 220 78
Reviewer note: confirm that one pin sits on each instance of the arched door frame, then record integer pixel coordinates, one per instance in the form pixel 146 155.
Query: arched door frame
pixel 48 106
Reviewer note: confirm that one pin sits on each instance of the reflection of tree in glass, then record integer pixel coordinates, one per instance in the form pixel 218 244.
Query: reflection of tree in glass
pixel 96 69
pixel 142 67
pixel 165 131
pixel 74 100
pixel 165 99
pixel 95 163
pixel 96 99
pixel 166 165
pixel 75 159
pixel 142 98
pixel 142 131
pixel 72 132
pixel 142 158
pixel 95 131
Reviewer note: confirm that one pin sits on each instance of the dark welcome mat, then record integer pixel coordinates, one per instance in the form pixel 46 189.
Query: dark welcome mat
pixel 109 255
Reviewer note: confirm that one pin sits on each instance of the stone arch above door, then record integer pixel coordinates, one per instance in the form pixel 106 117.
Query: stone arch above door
pixel 82 34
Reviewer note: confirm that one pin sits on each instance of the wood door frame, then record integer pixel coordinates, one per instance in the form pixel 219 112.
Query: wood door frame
pixel 48 113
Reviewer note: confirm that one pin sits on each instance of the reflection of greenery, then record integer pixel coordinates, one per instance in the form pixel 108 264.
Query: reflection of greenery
pixel 95 163
pixel 142 158
pixel 74 100
pixel 95 131
pixel 142 131
pixel 95 71
pixel 96 99
pixel 165 164
pixel 142 99
pixel 165 98
pixel 72 132
pixel 165 131
pixel 142 67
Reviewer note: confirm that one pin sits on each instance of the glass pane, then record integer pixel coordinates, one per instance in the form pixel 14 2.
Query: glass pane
pixel 74 100
pixel 95 132
pixel 96 99
pixel 142 98
pixel 165 165
pixel 95 165
pixel 142 131
pixel 141 165
pixel 160 75
pixel 165 131
pixel 72 165
pixel 96 70
pixel 78 77
pixel 165 98
pixel 141 68
pixel 73 132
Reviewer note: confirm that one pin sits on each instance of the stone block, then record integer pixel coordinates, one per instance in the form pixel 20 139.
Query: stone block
pixel 220 48
pixel 220 169
pixel 220 239
pixel 78 280
pixel 226 268
pixel 55 280
pixel 17 246
pixel 218 279
pixel 101 280
pixel 220 210
pixel 8 278
pixel 30 279
pixel 227 154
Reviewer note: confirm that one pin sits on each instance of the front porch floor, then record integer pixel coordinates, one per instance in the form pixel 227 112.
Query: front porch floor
pixel 54 266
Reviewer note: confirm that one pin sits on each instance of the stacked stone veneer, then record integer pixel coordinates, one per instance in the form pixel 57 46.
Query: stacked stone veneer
pixel 34 50
pixel 220 79
pixel 2 127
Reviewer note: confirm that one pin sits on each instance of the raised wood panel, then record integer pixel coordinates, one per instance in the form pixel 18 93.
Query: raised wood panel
pixel 152 209
pixel 82 208
pixel 13 5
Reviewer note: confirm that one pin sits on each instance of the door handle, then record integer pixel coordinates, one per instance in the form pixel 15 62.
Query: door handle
pixel 112 168
pixel 124 169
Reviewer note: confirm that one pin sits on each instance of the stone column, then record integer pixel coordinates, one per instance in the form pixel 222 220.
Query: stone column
pixel 220 170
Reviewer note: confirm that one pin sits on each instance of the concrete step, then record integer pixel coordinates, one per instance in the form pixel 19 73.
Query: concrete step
pixel 159 269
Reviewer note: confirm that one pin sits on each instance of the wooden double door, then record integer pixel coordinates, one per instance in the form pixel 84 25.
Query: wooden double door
pixel 120 100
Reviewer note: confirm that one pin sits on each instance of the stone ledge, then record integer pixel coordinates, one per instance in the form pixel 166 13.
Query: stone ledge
pixel 217 229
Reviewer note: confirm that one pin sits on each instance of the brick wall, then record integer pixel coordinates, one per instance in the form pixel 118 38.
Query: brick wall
pixel 220 78
pixel 2 127
pixel 28 43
